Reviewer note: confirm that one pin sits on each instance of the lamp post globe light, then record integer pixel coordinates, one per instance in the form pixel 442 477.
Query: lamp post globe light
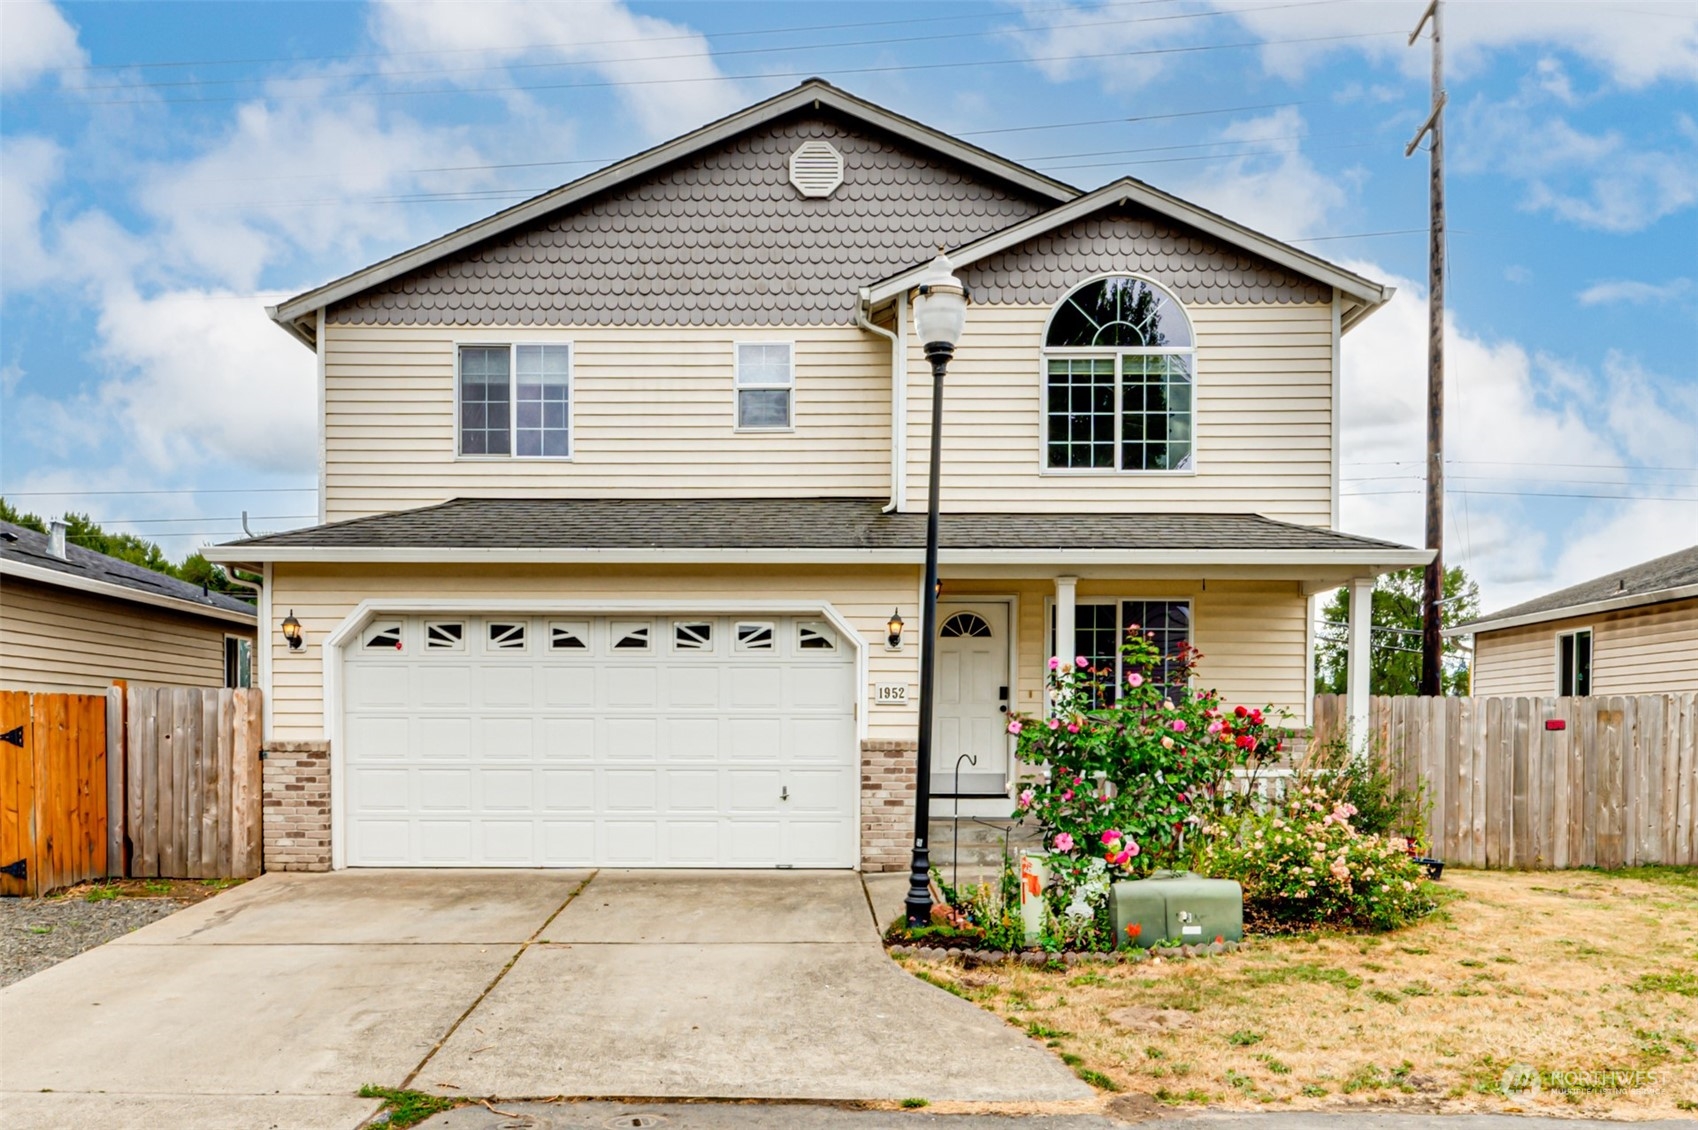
pixel 940 314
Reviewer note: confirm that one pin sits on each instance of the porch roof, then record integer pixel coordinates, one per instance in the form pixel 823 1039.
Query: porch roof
pixel 780 529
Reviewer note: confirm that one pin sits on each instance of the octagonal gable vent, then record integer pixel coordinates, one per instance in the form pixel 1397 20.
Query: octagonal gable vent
pixel 816 168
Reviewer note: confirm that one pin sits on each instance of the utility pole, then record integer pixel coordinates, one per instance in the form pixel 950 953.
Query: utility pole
pixel 1432 592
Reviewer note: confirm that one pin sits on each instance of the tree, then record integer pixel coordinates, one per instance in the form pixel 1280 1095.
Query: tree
pixel 1394 657
pixel 84 531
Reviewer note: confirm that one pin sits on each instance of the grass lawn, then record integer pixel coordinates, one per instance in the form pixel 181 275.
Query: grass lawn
pixel 1589 977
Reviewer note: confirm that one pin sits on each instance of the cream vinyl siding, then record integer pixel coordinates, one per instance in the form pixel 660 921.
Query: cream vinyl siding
pixel 1251 634
pixel 653 413
pixel 322 596
pixel 54 639
pixel 1263 420
pixel 1648 650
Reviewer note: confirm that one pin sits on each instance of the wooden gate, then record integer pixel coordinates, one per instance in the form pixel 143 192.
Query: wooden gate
pixel 53 829
pixel 192 782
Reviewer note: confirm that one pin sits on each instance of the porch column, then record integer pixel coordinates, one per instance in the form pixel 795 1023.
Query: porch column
pixel 1066 601
pixel 1357 675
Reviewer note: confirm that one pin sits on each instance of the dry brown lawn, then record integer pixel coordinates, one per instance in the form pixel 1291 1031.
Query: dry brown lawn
pixel 1591 978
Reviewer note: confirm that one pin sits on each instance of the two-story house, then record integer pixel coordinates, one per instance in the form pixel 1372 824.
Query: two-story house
pixel 623 493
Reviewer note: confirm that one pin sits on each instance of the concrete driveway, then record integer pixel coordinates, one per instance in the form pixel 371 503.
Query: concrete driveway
pixel 272 1004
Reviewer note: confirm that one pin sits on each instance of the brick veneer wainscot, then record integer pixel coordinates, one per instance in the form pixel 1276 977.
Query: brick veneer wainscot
pixel 887 804
pixel 296 814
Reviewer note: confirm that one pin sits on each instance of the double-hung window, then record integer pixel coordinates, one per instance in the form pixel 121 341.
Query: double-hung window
pixel 1574 662
pixel 515 400
pixel 766 386
pixel 1119 365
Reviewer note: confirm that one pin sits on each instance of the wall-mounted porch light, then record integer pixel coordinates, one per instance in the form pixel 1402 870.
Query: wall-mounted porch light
pixel 292 631
pixel 894 640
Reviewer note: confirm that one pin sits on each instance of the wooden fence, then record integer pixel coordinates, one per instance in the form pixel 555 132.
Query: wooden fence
pixel 143 781
pixel 1605 781
pixel 53 818
pixel 191 778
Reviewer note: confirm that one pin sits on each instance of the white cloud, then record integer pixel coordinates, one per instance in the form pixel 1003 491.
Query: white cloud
pixel 29 167
pixel 1609 292
pixel 300 176
pixel 669 78
pixel 1516 422
pixel 1279 191
pixel 204 377
pixel 35 38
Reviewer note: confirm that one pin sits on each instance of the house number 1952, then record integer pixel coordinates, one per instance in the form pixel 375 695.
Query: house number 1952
pixel 890 694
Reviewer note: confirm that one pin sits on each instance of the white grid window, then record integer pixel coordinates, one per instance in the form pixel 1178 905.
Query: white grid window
pixel 766 385
pixel 515 400
pixel 1121 380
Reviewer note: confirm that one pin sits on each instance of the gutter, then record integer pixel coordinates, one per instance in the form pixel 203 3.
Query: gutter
pixel 1570 611
pixel 39 575
pixel 1370 558
pixel 898 393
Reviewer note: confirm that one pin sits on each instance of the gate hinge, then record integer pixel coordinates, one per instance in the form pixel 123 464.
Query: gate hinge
pixel 15 735
pixel 18 869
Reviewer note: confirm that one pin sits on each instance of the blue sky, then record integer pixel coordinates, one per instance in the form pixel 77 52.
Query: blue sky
pixel 169 168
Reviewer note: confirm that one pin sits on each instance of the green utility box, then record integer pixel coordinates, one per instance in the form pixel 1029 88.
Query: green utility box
pixel 1176 906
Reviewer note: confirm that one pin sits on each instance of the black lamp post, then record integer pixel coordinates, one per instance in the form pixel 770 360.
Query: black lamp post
pixel 940 313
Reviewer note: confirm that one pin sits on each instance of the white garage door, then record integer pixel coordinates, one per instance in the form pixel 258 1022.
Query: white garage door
pixel 545 741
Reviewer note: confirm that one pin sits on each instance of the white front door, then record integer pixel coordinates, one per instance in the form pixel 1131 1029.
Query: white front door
pixel 971 711
pixel 561 741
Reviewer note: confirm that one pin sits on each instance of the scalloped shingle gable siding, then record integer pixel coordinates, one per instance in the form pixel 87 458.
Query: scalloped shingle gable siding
pixel 724 239
pixel 1199 269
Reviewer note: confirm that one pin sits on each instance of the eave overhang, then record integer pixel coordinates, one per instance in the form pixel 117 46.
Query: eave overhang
pixel 1589 608
pixel 21 571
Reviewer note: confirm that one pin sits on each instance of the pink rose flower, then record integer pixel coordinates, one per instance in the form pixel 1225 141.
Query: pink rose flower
pixel 1132 848
pixel 1055 723
pixel 1027 796
pixel 1054 663
pixel 1068 795
pixel 1073 727
pixel 1179 726
pixel 1014 727
pixel 1135 679
pixel 1081 661
pixel 1131 627
pixel 1063 842
pixel 1215 726
pixel 1110 836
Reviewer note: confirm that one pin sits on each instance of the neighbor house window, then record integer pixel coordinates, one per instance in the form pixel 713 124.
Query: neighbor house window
pixel 1574 662
pixel 515 400
pixel 766 384
pixel 1119 365
pixel 238 662
pixel 1099 628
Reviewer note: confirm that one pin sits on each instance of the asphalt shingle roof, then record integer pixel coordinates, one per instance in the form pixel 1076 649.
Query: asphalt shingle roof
pixel 789 523
pixel 27 547
pixel 1660 574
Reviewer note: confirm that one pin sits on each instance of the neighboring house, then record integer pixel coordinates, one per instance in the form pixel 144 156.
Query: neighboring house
pixel 75 620
pixel 1634 631
pixel 624 487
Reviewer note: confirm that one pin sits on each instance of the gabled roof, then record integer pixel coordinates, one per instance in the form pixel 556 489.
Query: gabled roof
pixel 1671 577
pixel 25 555
pixel 781 529
pixel 297 314
pixel 1364 294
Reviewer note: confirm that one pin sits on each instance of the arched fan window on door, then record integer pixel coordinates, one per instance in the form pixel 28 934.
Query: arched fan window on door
pixel 969 624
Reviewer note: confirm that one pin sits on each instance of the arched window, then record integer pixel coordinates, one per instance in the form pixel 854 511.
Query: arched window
pixel 965 624
pixel 1119 365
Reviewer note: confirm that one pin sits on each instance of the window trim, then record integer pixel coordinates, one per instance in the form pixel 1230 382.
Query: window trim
pixel 253 661
pixel 1117 600
pixel 1591 658
pixel 1060 352
pixel 511 341
pixel 737 387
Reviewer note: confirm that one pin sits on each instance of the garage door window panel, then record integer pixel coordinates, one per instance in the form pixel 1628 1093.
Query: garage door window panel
pixel 506 635
pixel 444 635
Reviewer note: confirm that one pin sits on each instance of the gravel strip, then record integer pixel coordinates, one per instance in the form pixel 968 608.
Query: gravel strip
pixel 38 933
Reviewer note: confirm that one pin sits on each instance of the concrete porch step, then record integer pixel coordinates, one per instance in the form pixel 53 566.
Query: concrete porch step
pixel 978 853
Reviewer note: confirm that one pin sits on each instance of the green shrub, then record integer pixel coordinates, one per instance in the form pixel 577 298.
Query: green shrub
pixel 1305 863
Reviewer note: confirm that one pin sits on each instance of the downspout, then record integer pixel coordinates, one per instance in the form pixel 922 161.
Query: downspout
pixel 898 392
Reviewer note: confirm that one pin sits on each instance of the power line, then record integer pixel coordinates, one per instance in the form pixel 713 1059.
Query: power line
pixel 200 518
pixel 1527 494
pixel 1515 462
pixel 768 76
pixel 709 54
pixel 176 490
